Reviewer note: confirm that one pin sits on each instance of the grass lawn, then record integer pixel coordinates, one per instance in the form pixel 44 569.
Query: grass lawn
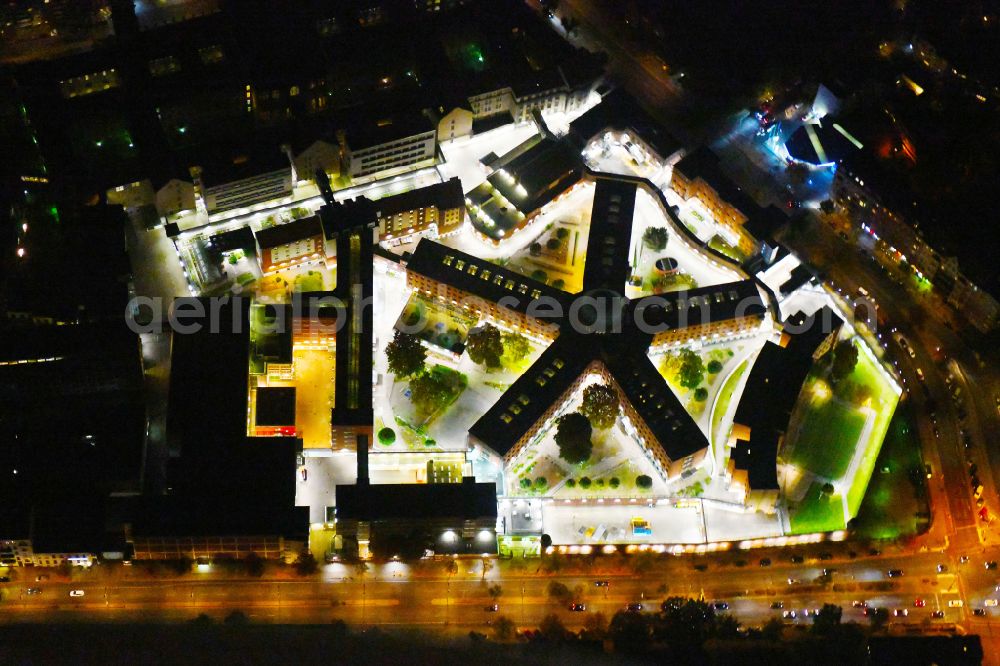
pixel 817 513
pixel 827 441
pixel 726 395
pixel 884 401
pixel 896 502
pixel 311 281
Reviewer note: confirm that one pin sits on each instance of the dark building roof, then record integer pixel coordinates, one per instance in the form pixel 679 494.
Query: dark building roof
pixel 555 371
pixel 527 399
pixel 352 382
pixel 481 125
pixel 619 111
pixel 444 196
pixel 347 214
pixel 544 170
pixel 208 378
pixel 649 395
pixel 764 222
pixel 411 501
pixel 371 129
pixel 237 239
pixel 275 406
pixel 608 264
pixel 799 276
pixel 228 163
pixel 681 309
pixel 771 392
pixel 925 650
pixel 704 164
pixel 481 278
pixel 290 232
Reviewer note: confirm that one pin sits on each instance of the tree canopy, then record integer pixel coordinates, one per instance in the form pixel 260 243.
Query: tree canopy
pixel 600 405
pixel 655 238
pixel 406 355
pixel 515 346
pixel 429 391
pixel 691 371
pixel 845 358
pixel 573 433
pixel 485 345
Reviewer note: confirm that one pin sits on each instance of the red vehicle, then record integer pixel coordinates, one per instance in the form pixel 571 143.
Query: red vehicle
pixel 919 603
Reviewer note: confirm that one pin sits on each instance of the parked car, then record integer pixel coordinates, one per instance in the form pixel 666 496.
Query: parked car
pixel 894 573
pixel 937 615
pixel 765 562
pixel 789 615
pixel 633 607
pixel 720 605
pixel 76 593
pixel 577 608
pixel 34 590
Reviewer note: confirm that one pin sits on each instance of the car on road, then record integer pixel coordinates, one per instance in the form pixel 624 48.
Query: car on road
pixel 789 615
pixel 955 603
pixel 41 578
pixel 34 590
pixel 798 559
pixel 919 603
pixel 963 559
pixel 777 605
pixel 894 573
pixel 720 605
pixel 981 612
pixel 920 374
pixel 4 579
pixel 860 604
pixel 577 607
pixel 942 568
pixel 900 612
pixel 828 571
pixel 990 603
pixel 937 615
pixel 76 593
pixel 794 581
pixel 991 565
pixel 765 562
pixel 633 607
pixel 937 433
pixel 601 583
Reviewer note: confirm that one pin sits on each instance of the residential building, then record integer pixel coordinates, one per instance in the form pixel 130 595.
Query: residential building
pixel 435 210
pixel 698 175
pixel 389 146
pixel 291 243
pixel 455 124
pixel 318 156
pixel 619 113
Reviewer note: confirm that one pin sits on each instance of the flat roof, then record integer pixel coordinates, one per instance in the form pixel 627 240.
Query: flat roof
pixel 417 501
pixel 296 230
pixel 607 264
pixel 275 406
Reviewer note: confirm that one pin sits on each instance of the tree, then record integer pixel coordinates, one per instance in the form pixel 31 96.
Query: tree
pixel 827 489
pixel 571 483
pixel 535 249
pixel 878 617
pixel 562 232
pixel 525 483
pixel 485 346
pixel 701 394
pixel 714 367
pixel 727 627
pixel 596 626
pixel 429 392
pixel 406 355
pixel 254 565
pixel 552 628
pixel 559 283
pixel 573 433
pixel 692 370
pixel 600 405
pixel 644 482
pixel 684 624
pixel 552 244
pixel 559 592
pixel 631 632
pixel 827 619
pixel 305 565
pixel 539 275
pixel 655 238
pixel 826 205
pixel 495 591
pixel 541 483
pixel 772 629
pixel 515 346
pixel 236 618
pixel 585 482
pixel 386 436
pixel 504 628
pixel 614 482
pixel 845 358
